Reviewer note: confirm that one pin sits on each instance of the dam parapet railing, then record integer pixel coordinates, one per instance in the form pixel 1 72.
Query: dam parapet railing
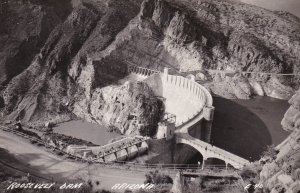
pixel 200 96
pixel 179 81
pixel 197 103
pixel 140 70
pixel 185 97
pixel 191 85
pixel 193 96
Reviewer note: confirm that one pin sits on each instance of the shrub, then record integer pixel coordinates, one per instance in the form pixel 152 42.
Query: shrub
pixel 158 178
pixel 248 173
pixel 270 152
pixel 148 130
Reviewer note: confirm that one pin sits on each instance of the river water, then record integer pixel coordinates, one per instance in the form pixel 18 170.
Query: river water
pixel 94 133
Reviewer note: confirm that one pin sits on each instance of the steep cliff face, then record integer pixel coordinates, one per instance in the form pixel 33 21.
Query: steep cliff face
pixel 25 26
pixel 227 35
pixel 291 120
pixel 40 91
pixel 283 174
pixel 91 48
pixel 131 107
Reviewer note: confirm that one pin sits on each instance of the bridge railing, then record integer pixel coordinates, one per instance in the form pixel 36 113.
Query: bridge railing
pixel 204 97
pixel 218 152
pixel 124 164
pixel 185 167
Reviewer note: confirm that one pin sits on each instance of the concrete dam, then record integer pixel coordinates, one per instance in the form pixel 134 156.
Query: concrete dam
pixel 187 103
pixel 190 103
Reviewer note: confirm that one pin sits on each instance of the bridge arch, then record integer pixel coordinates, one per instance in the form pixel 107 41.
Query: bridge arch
pixel 193 155
pixel 204 151
pixel 210 151
pixel 207 157
pixel 190 102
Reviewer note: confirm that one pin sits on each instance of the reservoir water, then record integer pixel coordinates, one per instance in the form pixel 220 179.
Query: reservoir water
pixel 94 133
pixel 243 127
pixel 247 127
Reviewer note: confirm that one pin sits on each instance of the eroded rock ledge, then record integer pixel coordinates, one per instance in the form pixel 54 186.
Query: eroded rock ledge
pixel 282 174
pixel 132 108
pixel 89 49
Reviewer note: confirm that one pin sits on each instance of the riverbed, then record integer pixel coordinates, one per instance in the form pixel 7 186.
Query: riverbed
pixel 94 133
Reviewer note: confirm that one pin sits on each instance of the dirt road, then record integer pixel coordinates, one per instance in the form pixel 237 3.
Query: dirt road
pixel 37 160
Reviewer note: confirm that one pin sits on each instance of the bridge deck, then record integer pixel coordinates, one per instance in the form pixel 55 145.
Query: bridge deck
pixel 181 132
pixel 206 148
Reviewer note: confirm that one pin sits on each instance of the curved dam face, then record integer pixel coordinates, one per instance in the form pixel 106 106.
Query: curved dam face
pixel 182 97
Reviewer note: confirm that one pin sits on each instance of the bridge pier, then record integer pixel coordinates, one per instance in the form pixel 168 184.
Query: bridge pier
pixel 203 163
pixel 207 122
pixel 206 130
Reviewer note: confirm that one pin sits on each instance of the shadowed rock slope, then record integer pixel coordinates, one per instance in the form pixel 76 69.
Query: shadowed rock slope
pixel 78 55
pixel 281 173
pixel 25 26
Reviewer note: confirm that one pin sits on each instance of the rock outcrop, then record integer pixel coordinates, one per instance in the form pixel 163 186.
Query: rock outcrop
pixel 48 88
pixel 90 48
pixel 132 108
pixel 25 26
pixel 178 184
pixel 282 174
pixel 291 120
pixel 40 91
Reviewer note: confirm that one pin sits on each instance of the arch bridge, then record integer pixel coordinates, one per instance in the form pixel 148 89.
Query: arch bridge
pixel 190 102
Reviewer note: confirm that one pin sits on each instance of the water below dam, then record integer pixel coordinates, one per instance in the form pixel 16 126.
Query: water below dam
pixel 94 133
pixel 243 127
pixel 247 127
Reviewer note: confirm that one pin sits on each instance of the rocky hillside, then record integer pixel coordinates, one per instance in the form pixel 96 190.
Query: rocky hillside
pixel 132 108
pixel 282 173
pixel 25 26
pixel 291 120
pixel 60 56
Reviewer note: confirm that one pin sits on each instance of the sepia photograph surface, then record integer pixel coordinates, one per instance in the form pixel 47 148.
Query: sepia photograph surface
pixel 149 96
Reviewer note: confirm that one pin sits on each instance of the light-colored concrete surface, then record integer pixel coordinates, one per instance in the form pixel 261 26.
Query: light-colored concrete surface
pixel 186 99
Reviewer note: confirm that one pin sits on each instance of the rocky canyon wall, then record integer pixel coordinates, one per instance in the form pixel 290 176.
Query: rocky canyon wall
pixel 86 48
pixel 281 174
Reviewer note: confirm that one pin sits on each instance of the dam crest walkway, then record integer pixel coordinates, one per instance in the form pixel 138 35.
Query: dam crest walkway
pixel 198 98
